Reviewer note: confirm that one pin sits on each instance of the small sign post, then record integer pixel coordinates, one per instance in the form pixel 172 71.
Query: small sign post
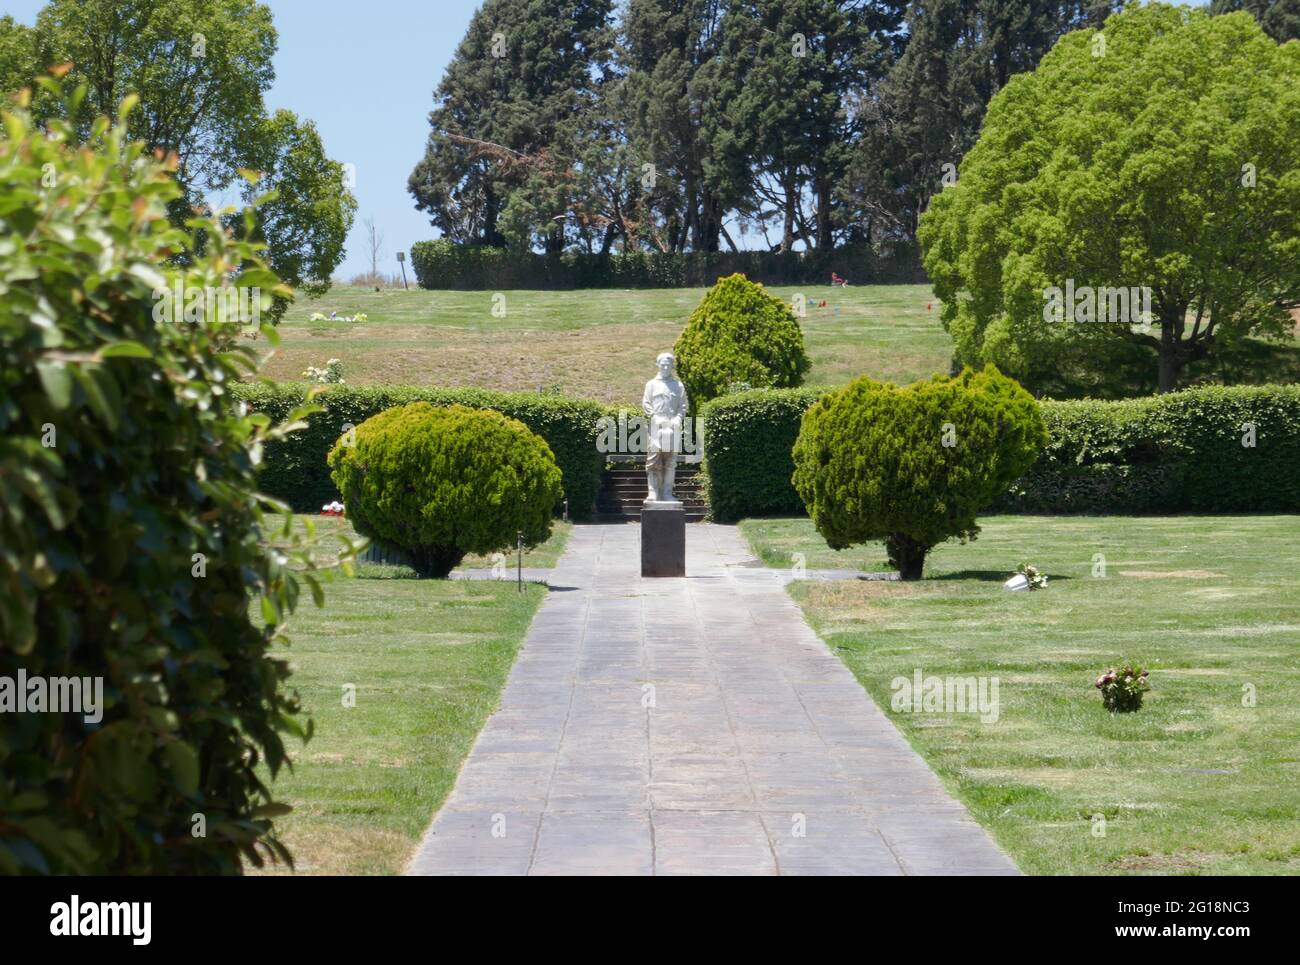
pixel 401 260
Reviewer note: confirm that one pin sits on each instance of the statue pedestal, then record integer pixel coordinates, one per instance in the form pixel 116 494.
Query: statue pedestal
pixel 663 539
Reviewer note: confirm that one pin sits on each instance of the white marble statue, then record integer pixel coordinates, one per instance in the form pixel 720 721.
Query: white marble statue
pixel 664 403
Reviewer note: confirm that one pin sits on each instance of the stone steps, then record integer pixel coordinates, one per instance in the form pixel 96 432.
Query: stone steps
pixel 623 490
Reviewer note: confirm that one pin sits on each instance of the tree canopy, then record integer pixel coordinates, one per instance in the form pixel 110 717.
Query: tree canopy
pixel 1159 156
pixel 199 68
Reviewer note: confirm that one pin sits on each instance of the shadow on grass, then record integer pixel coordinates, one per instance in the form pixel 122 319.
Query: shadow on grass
pixel 986 576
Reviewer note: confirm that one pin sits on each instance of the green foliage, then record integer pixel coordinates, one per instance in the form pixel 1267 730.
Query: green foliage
pixel 1279 18
pixel 1168 159
pixel 296 469
pixel 913 466
pixel 782 128
pixel 670 50
pixel 306 220
pixel 440 264
pixel 130 525
pixel 200 68
pixel 523 76
pixel 17 55
pixel 1179 452
pixel 1173 453
pixel 739 333
pixel 441 482
pixel 748 461
pixel 927 112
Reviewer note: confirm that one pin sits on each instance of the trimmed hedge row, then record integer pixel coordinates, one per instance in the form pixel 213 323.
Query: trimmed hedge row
pixel 1180 452
pixel 440 264
pixel 748 443
pixel 1169 453
pixel 294 470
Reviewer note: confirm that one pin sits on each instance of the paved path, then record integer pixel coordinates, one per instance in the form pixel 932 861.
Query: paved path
pixel 754 732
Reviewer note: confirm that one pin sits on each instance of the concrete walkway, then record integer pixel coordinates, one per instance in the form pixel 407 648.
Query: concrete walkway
pixel 690 726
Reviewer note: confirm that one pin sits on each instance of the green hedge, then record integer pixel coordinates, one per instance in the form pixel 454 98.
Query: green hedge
pixel 295 471
pixel 441 264
pixel 1180 452
pixel 748 439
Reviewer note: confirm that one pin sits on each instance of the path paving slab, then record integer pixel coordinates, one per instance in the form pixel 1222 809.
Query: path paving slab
pixel 687 726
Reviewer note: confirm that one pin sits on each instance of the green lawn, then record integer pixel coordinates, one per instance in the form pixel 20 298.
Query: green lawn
pixel 329 528
pixel 1195 782
pixel 597 344
pixel 781 543
pixel 428 659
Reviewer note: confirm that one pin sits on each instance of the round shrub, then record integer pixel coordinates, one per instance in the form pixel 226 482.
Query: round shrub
pixel 130 528
pixel 913 466
pixel 439 483
pixel 739 334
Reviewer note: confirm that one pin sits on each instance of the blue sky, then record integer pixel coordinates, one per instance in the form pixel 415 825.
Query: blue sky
pixel 365 73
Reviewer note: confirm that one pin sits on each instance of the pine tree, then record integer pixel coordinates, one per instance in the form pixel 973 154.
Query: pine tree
pixel 1279 18
pixel 525 71
pixel 667 47
pixel 927 113
pixel 789 69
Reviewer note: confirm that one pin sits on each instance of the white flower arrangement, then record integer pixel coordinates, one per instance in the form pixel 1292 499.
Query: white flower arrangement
pixel 331 374
pixel 1027 578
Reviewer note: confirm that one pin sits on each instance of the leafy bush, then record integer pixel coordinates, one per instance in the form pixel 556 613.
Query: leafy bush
pixel 913 466
pixel 1171 453
pixel 296 469
pixel 1122 689
pixel 748 460
pixel 441 482
pixel 1179 452
pixel 442 264
pixel 739 333
pixel 130 528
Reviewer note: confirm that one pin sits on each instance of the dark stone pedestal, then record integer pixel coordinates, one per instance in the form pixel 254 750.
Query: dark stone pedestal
pixel 663 539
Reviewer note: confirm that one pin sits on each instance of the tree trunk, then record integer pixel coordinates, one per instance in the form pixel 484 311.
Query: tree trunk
pixel 906 555
pixel 608 241
pixel 1169 360
pixel 787 233
pixel 825 237
pixel 1168 371
pixel 435 561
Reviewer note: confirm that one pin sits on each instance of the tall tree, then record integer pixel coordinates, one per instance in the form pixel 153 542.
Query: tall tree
pixel 525 70
pixel 928 111
pixel 667 92
pixel 1167 160
pixel 1279 18
pixel 18 61
pixel 200 68
pixel 306 222
pixel 789 68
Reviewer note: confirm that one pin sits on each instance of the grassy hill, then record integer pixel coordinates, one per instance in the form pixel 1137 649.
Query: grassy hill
pixel 600 344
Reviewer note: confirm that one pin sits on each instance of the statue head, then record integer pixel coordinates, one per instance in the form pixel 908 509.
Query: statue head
pixel 665 362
